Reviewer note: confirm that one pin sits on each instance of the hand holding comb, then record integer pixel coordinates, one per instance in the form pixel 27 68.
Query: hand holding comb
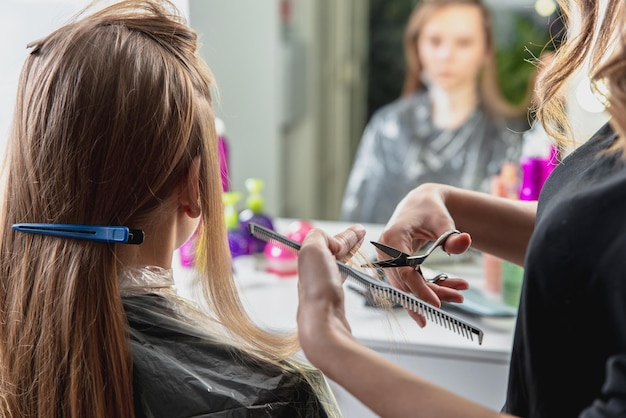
pixel 383 289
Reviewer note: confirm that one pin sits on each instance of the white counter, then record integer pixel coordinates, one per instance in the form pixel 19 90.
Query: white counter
pixel 478 372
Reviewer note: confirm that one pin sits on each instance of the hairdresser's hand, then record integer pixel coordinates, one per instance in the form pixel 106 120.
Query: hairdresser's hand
pixel 322 322
pixel 421 217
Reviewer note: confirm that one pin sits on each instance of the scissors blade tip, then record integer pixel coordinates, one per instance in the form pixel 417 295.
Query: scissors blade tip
pixel 388 250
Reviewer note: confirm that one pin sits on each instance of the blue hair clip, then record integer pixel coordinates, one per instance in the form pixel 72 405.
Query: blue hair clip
pixel 110 234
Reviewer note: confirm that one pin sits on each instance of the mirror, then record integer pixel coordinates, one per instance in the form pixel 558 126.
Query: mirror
pixel 300 78
pixel 297 78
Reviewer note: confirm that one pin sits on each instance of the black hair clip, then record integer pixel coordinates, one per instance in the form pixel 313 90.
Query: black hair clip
pixel 110 234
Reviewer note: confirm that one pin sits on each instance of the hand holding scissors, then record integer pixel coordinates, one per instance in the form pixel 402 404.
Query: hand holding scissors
pixel 441 286
pixel 402 259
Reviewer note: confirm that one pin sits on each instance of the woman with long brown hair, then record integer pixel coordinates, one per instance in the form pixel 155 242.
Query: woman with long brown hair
pixel 569 350
pixel 451 124
pixel 114 129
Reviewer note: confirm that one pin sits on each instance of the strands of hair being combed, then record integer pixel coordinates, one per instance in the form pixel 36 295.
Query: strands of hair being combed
pixel 383 289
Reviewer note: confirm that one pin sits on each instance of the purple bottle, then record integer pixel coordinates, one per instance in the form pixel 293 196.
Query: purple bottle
pixel 237 237
pixel 551 162
pixel 533 176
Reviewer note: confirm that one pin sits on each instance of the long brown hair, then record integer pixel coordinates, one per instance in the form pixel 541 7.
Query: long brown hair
pixel 599 43
pixel 111 109
pixel 491 96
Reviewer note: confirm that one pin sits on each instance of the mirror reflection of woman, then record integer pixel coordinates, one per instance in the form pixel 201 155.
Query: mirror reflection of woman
pixel 451 124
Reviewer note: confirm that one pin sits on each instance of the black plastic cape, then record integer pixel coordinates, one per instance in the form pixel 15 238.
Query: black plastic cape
pixel 181 371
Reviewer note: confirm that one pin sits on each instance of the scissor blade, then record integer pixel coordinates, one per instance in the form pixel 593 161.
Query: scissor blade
pixel 389 250
pixel 385 264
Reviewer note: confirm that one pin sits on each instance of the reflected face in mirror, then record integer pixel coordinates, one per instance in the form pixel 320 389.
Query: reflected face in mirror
pixel 452 47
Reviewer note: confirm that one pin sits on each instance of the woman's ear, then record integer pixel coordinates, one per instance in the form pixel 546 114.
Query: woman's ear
pixel 189 198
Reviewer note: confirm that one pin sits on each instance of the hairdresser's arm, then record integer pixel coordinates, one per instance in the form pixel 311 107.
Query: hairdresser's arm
pixel 492 224
pixel 326 339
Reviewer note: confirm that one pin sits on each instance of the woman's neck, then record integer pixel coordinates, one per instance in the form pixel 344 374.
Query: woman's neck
pixel 159 243
pixel 451 108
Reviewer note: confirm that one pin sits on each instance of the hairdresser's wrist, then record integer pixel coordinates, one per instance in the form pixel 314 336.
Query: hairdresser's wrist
pixel 439 192
pixel 323 342
pixel 331 351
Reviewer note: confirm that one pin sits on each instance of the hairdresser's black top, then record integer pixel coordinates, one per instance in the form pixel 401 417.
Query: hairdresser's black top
pixel 180 373
pixel 569 354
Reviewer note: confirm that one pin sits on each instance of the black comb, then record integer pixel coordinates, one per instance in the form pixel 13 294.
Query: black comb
pixel 382 289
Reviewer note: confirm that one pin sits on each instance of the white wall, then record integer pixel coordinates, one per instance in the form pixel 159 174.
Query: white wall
pixel 240 42
pixel 303 159
pixel 242 49
pixel 21 22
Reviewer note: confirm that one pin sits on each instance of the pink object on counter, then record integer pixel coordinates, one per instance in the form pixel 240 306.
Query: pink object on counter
pixel 222 149
pixel 551 163
pixel 297 230
pixel 187 251
pixel 281 260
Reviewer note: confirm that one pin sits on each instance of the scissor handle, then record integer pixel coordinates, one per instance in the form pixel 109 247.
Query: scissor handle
pixel 438 278
pixel 416 260
pixel 440 241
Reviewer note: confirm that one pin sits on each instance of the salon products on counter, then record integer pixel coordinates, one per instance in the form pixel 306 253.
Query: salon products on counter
pixel 534 171
pixel 238 238
pixel 522 181
pixel 187 251
pixel 255 212
pixel 505 184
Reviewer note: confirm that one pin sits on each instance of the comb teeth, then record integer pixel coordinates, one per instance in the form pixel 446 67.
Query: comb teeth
pixel 268 235
pixel 382 289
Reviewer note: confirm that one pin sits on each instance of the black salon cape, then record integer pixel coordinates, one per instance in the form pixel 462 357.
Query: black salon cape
pixel 179 373
pixel 569 353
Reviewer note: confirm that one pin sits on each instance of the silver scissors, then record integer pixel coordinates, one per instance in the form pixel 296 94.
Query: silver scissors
pixel 401 259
